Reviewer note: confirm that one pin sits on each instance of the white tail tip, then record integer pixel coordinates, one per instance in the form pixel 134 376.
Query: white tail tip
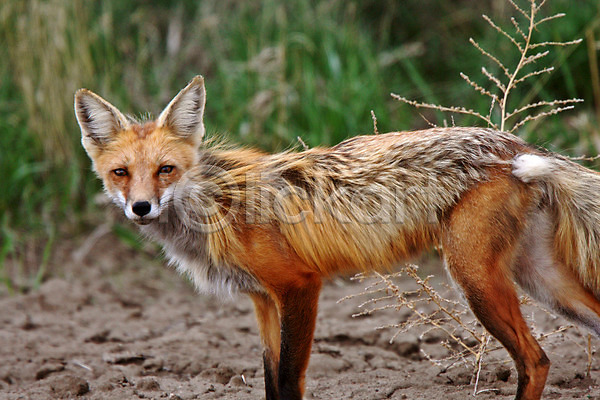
pixel 530 167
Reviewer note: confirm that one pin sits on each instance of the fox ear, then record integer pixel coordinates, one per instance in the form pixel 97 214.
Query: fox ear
pixel 98 119
pixel 185 112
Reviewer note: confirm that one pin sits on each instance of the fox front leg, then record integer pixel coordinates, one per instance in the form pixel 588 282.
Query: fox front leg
pixel 268 319
pixel 287 323
pixel 298 318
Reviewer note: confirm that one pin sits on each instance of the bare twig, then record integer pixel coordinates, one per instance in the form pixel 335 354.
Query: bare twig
pixel 540 115
pixel 517 27
pixel 513 76
pixel 533 58
pixel 493 79
pixel 467 342
pixel 460 110
pixel 534 73
pixel 555 16
pixel 584 158
pixel 491 57
pixel 542 104
pixel 375 130
pixel 478 360
pixel 502 32
pixel 519 8
pixel 589 355
pixel 560 44
pixel 477 87
pixel 302 143
pixel 431 124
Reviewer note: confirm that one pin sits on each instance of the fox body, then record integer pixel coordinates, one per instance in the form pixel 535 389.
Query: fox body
pixel 274 226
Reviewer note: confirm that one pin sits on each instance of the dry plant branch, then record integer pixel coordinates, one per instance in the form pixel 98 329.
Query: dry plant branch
pixel 478 88
pixel 502 32
pixel 540 115
pixel 542 104
pixel 445 317
pixel 517 27
pixel 491 57
pixel 479 362
pixel 525 24
pixel 459 110
pixel 375 130
pixel 519 8
pixel 536 45
pixel 555 16
pixel 589 355
pixel 304 145
pixel 492 78
pixel 534 73
pixel 466 341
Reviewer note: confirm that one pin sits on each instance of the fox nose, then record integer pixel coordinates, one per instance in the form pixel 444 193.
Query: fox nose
pixel 141 208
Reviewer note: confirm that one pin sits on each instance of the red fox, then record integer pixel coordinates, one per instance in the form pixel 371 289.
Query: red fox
pixel 273 226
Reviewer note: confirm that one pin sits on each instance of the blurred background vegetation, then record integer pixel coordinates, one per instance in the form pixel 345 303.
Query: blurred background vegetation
pixel 274 71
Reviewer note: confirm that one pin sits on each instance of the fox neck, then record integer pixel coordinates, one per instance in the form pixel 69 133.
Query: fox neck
pixel 188 249
pixel 170 231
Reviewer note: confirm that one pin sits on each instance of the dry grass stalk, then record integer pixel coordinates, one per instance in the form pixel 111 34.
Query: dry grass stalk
pixel 304 145
pixel 467 343
pixel 460 110
pixel 503 86
pixel 375 130
pixel 448 316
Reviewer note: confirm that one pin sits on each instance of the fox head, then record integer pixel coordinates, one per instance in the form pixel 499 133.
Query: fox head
pixel 140 163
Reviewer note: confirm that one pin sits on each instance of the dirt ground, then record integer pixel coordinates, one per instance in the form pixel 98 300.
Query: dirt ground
pixel 118 324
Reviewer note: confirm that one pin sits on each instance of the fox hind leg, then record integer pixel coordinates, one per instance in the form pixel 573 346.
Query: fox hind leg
pixel 549 280
pixel 495 303
pixel 479 244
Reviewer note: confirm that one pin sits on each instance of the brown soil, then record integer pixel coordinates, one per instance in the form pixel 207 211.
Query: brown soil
pixel 118 324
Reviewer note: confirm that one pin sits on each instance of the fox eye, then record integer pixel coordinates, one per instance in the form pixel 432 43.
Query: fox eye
pixel 120 172
pixel 166 169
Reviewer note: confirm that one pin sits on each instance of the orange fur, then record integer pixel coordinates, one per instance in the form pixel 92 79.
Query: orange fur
pixel 275 225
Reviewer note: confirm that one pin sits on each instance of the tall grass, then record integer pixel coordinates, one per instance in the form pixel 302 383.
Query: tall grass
pixel 274 71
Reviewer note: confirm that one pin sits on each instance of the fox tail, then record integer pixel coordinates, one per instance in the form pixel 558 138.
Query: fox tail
pixel 572 193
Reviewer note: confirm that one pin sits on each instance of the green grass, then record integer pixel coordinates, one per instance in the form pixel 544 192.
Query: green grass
pixel 274 71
